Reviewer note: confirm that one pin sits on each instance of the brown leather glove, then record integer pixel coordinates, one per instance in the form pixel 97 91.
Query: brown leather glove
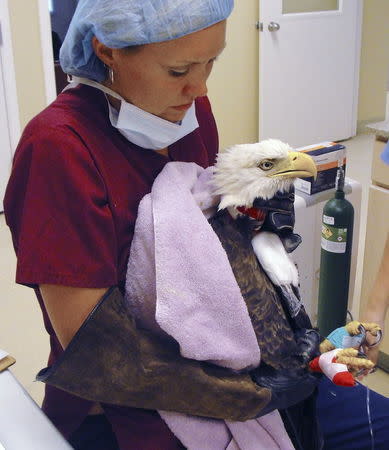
pixel 112 361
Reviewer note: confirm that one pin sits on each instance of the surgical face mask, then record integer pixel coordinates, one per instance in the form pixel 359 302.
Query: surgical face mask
pixel 142 128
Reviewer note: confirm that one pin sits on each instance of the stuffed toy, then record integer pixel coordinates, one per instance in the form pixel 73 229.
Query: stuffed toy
pixel 352 335
pixel 342 357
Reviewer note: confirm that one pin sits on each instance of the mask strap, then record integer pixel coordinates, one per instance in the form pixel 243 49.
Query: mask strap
pixel 101 87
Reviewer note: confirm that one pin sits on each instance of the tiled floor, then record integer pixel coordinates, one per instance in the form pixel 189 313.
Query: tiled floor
pixel 21 331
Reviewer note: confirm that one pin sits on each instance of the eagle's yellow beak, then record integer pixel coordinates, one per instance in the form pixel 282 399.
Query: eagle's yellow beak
pixel 296 165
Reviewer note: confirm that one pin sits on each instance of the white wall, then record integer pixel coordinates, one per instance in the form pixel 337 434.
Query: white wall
pixel 25 27
pixel 233 87
pixel 374 61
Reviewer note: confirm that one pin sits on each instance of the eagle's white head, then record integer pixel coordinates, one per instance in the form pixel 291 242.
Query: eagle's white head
pixel 247 171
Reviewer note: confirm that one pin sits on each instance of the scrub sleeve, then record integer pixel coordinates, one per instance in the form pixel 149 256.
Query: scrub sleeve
pixel 66 232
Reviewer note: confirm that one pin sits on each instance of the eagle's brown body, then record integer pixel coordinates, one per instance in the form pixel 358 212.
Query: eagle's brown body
pixel 269 318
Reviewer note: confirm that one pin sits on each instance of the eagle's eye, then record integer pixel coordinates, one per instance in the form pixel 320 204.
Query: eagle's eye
pixel 266 164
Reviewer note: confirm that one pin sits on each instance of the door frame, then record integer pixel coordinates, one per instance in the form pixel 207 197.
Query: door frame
pixel 357 50
pixel 9 77
pixel 47 51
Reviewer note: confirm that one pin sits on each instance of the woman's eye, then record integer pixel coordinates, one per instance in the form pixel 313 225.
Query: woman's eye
pixel 177 73
pixel 181 73
pixel 266 164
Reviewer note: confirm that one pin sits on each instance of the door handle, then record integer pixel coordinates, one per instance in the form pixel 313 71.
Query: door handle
pixel 273 26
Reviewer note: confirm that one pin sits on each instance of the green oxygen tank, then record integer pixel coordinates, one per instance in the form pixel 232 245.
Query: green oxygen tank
pixel 335 259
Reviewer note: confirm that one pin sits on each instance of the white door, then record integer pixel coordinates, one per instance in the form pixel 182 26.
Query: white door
pixel 309 69
pixel 5 140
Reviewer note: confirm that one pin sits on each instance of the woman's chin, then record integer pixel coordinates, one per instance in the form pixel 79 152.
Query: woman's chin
pixel 173 115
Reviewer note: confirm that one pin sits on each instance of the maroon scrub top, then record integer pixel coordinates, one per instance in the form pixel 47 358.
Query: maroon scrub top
pixel 71 204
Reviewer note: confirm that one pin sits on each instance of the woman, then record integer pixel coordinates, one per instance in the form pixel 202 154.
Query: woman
pixel 86 161
pixel 137 101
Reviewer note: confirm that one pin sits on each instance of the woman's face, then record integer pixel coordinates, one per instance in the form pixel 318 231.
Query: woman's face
pixel 165 78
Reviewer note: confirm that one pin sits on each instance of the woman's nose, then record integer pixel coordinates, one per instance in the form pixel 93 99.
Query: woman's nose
pixel 197 86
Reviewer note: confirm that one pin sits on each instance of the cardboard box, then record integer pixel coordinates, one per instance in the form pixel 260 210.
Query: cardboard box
pixel 327 157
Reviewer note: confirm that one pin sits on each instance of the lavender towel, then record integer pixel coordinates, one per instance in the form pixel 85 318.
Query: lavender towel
pixel 180 283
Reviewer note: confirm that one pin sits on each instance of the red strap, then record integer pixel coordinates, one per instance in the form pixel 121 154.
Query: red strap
pixel 255 213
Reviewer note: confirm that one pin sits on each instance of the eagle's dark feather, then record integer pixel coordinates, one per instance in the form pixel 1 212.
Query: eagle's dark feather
pixel 269 318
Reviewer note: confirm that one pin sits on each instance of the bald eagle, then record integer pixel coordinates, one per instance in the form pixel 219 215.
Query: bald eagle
pixel 255 184
pixel 254 223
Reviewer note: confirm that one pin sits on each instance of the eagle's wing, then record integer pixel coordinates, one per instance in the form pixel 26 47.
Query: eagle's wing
pixel 274 334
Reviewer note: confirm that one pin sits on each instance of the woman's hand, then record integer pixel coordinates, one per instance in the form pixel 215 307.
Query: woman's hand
pixel 68 307
pixel 372 353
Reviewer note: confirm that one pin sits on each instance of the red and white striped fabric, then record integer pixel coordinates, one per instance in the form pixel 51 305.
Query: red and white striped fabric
pixel 336 372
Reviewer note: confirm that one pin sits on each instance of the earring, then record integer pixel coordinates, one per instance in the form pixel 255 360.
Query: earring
pixel 111 75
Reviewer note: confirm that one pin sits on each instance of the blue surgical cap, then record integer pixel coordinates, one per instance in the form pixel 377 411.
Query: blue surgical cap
pixel 123 23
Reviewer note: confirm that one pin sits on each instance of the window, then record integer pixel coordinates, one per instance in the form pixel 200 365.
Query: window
pixel 305 6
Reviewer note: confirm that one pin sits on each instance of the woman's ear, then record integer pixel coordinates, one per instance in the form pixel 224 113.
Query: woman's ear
pixel 104 53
